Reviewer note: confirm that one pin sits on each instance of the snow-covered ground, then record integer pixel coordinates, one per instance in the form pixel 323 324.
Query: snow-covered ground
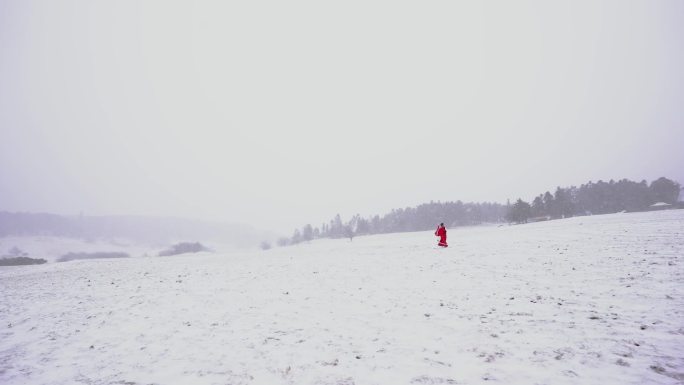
pixel 590 300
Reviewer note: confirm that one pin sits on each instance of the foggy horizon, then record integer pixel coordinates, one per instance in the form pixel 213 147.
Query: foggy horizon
pixel 271 232
pixel 281 115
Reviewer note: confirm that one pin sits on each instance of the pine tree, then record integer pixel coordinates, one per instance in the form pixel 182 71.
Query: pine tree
pixel 519 212
pixel 665 190
pixel 549 204
pixel 296 237
pixel 538 209
pixel 307 233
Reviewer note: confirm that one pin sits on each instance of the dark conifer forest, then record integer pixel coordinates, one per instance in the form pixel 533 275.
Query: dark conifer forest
pixel 591 198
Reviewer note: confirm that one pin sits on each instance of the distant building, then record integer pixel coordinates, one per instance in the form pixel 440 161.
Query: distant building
pixel 660 206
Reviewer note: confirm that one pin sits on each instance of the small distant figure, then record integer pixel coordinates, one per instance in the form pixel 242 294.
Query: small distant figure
pixel 441 233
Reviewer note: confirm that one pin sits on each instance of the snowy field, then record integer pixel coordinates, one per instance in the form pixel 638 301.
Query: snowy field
pixel 590 300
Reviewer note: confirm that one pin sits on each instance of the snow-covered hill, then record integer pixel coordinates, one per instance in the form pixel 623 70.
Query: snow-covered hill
pixel 589 300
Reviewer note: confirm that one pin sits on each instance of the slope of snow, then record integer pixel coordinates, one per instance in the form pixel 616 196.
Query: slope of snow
pixel 590 300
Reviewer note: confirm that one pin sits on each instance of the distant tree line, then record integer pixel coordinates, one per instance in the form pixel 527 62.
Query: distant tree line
pixel 20 261
pixel 419 218
pixel 17 257
pixel 590 198
pixel 595 198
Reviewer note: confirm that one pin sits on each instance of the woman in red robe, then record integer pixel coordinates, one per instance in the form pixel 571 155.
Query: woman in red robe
pixel 441 233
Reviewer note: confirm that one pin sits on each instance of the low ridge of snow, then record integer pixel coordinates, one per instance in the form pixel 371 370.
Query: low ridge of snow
pixel 590 300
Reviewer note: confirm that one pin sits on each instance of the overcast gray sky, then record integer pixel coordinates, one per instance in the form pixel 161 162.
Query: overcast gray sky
pixel 281 113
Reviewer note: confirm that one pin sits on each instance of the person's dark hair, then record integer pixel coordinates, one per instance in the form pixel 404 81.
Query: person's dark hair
pixel 441 224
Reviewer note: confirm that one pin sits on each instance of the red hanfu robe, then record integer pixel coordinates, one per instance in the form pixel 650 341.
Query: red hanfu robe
pixel 441 233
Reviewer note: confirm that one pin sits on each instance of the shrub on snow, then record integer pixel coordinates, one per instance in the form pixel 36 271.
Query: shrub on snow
pixel 18 261
pixel 183 248
pixel 97 255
